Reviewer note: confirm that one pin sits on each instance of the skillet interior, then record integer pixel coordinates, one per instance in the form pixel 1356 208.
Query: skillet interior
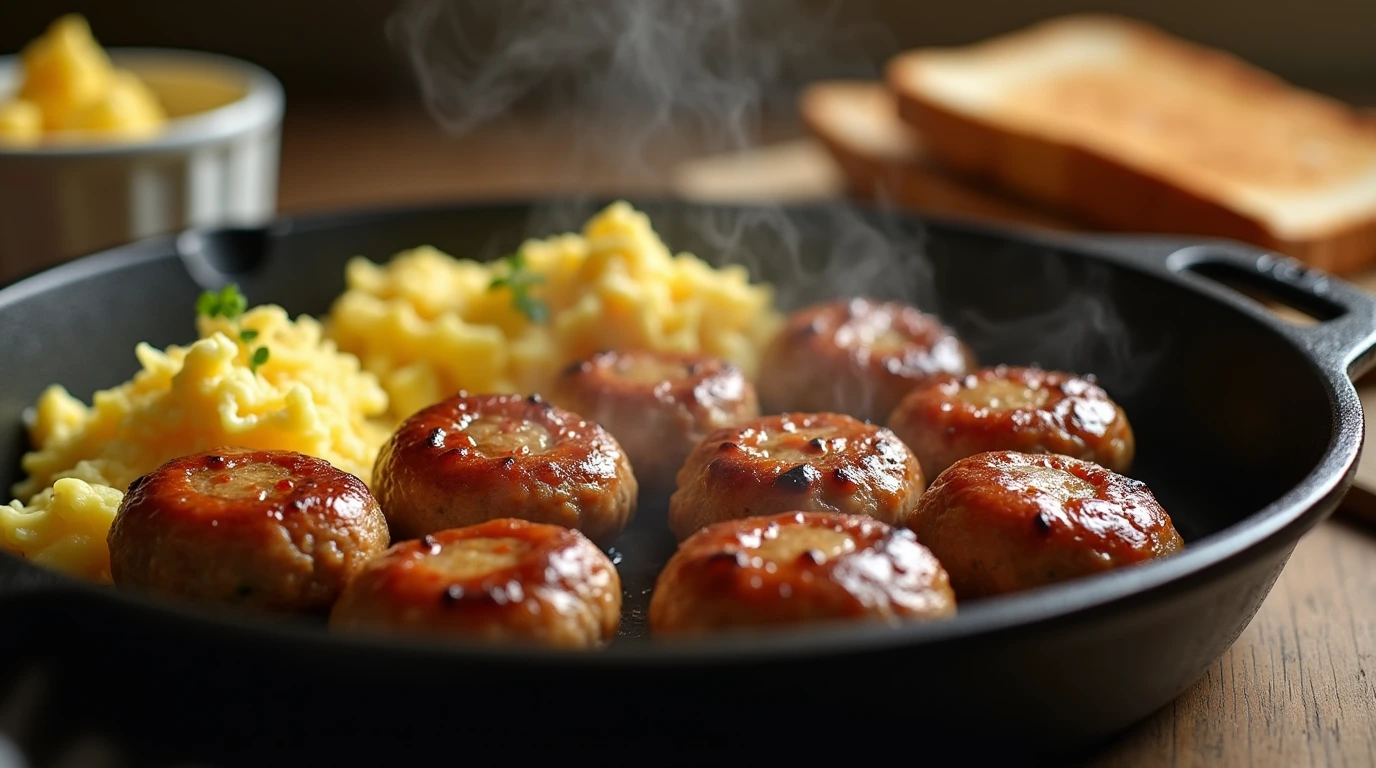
pixel 1200 382
pixel 1229 414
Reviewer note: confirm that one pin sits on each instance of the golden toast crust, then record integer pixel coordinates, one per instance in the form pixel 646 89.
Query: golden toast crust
pixel 1234 151
pixel 889 163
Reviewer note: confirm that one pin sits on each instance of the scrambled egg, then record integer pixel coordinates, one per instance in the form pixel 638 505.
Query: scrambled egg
pixel 429 325
pixel 403 336
pixel 306 397
pixel 70 85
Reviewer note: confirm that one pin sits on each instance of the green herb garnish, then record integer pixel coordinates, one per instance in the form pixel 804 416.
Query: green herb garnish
pixel 260 356
pixel 519 281
pixel 230 304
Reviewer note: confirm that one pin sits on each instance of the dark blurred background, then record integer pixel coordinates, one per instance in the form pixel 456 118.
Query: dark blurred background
pixel 340 50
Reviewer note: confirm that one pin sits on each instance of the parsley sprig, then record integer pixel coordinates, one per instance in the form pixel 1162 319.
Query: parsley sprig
pixel 519 280
pixel 230 303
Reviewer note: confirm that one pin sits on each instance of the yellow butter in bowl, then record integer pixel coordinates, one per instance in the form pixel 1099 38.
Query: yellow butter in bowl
pixel 76 90
pixel 21 122
pixel 64 70
pixel 128 107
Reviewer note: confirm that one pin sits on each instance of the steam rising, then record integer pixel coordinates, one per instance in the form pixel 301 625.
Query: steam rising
pixel 624 76
pixel 698 67
pixel 1083 325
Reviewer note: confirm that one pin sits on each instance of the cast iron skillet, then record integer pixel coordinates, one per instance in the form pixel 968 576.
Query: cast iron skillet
pixel 1248 430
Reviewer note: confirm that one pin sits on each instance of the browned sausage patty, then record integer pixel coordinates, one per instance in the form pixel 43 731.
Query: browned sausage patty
pixel 856 356
pixel 1003 521
pixel 794 568
pixel 502 580
pixel 796 462
pixel 1016 409
pixel 658 405
pixel 268 530
pixel 473 458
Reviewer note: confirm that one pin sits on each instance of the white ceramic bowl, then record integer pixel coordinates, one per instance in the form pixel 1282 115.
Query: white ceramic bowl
pixel 213 164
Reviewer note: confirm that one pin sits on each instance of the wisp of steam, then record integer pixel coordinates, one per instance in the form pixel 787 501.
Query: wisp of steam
pixel 626 76
pixel 697 68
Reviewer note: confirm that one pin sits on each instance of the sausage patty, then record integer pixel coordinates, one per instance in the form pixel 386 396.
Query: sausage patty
pixel 796 462
pixel 473 458
pixel 502 580
pixel 856 356
pixel 658 405
pixel 268 530
pixel 1016 409
pixel 794 568
pixel 1003 521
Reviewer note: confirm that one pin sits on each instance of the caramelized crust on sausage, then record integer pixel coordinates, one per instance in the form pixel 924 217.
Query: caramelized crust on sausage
pixel 1003 521
pixel 794 568
pixel 500 581
pixel 1017 409
pixel 796 462
pixel 658 405
pixel 272 531
pixel 858 357
pixel 473 458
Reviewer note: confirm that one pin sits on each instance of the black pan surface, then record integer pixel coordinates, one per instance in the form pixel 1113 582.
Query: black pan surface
pixel 1248 432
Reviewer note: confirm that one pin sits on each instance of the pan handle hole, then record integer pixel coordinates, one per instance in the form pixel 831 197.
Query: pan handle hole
pixel 215 257
pixel 1291 294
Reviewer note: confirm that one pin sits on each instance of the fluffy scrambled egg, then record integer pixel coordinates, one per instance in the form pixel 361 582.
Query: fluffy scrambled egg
pixel 306 397
pixel 403 336
pixel 429 324
pixel 70 85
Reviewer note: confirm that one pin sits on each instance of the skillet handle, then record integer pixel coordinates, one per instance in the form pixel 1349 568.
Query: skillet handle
pixel 1342 338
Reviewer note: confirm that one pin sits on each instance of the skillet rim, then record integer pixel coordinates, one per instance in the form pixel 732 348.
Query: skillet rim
pixel 1276 525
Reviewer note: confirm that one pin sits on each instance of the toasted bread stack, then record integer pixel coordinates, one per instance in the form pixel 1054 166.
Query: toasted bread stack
pixel 1104 122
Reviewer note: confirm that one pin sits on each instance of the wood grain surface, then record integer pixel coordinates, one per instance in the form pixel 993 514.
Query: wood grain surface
pixel 1299 686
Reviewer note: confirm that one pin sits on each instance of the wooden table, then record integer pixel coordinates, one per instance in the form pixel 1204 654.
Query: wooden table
pixel 1299 686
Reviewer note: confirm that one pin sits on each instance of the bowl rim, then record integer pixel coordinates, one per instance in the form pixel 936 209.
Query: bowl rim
pixel 261 107
pixel 1278 524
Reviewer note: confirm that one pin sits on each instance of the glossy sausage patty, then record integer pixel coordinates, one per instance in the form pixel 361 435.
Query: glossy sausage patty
pixel 267 530
pixel 502 580
pixel 1003 521
pixel 794 568
pixel 796 462
pixel 658 405
pixel 1016 409
pixel 473 458
pixel 856 356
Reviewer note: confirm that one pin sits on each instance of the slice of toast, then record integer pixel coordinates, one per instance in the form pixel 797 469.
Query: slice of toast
pixel 1132 128
pixel 882 158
